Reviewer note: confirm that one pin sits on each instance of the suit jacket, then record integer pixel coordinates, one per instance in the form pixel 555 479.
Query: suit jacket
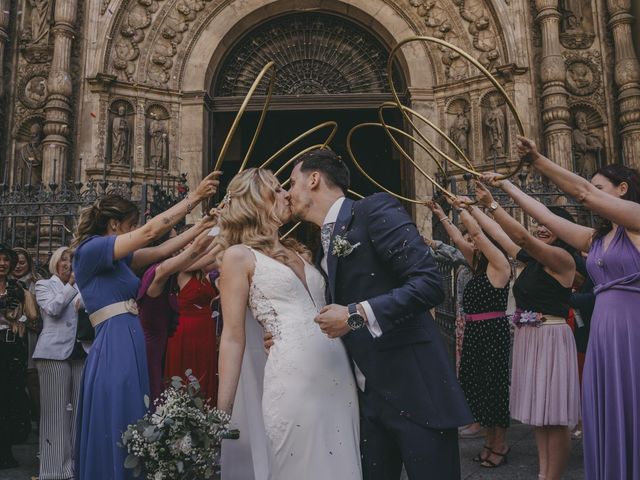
pixel 394 271
pixel 60 319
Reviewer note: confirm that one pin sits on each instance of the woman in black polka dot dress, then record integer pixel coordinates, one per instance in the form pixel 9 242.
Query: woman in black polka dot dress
pixel 484 368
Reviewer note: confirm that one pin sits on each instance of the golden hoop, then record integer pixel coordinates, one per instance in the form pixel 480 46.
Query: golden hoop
pixel 404 154
pixel 243 107
pixel 476 64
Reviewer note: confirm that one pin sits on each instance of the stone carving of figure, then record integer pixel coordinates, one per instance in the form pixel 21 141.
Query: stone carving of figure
pixel 459 131
pixel 30 155
pixel 494 119
pixel 158 143
pixel 574 17
pixel 39 21
pixel 586 147
pixel 120 137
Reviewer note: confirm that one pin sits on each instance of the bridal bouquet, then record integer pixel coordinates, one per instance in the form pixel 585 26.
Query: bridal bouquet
pixel 181 439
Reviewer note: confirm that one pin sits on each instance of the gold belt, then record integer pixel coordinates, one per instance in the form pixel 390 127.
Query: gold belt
pixel 552 320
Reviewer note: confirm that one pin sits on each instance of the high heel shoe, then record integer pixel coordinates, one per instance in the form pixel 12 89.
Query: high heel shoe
pixel 503 459
pixel 479 458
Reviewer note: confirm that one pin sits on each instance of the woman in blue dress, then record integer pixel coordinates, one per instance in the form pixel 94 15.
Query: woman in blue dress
pixel 109 248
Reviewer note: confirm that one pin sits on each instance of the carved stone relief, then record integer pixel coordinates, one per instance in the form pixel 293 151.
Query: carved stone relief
pixel 584 76
pixel 459 121
pixel 494 126
pixel 576 27
pixel 29 153
pixel 120 129
pixel 588 146
pixel 32 89
pixel 157 120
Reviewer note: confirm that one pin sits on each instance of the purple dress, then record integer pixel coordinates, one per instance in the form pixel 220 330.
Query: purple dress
pixel 156 316
pixel 611 380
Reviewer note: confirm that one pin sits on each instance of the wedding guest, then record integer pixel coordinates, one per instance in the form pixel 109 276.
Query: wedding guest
pixel 194 345
pixel 116 380
pixel 17 307
pixel 60 358
pixel 484 369
pixel 545 389
pixel 611 380
pixel 27 275
pixel 158 306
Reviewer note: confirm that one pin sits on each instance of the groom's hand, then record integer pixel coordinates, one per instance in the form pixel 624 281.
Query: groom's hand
pixel 332 320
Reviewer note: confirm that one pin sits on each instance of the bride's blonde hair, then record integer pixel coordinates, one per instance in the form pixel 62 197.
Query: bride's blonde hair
pixel 249 214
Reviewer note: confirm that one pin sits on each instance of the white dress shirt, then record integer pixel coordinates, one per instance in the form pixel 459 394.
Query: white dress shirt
pixel 372 324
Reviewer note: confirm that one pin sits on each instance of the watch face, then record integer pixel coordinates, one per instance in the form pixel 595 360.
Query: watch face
pixel 355 321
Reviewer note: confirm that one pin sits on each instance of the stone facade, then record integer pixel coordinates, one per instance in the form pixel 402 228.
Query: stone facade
pixel 74 70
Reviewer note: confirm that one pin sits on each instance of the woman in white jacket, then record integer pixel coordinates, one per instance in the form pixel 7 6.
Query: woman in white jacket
pixel 59 359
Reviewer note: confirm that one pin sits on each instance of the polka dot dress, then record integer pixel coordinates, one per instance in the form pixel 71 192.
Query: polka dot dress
pixel 484 367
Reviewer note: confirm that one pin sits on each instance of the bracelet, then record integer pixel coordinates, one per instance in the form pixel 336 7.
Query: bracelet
pixel 189 206
pixel 443 219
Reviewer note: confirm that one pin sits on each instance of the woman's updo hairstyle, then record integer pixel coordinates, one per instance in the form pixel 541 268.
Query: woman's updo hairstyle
pixel 94 220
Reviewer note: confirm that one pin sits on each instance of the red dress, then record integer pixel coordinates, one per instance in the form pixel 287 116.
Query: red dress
pixel 194 344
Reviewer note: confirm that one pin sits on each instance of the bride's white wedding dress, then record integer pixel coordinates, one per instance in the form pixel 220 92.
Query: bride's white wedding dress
pixel 308 424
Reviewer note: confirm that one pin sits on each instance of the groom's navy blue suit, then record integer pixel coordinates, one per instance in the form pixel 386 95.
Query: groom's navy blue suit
pixel 412 403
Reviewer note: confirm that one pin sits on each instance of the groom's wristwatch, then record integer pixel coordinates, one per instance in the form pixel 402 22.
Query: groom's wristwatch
pixel 354 320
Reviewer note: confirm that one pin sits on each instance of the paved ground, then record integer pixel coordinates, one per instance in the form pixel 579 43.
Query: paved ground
pixel 522 459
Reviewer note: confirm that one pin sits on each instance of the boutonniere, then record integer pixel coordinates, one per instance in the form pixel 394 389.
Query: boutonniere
pixel 342 247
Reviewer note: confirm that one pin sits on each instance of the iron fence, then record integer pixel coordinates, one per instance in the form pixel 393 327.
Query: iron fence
pixel 42 218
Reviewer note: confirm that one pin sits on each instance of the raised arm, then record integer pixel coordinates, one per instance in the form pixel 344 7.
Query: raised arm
pixel 159 225
pixel 235 274
pixel 208 261
pixel 559 262
pixel 454 233
pixel 498 268
pixel 146 256
pixel 575 235
pixel 51 302
pixel 489 225
pixel 178 263
pixel 621 212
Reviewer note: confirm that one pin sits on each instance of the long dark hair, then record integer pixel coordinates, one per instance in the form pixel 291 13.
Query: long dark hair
pixel 94 220
pixel 617 174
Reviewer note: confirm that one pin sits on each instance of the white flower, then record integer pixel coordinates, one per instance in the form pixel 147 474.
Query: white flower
pixel 158 476
pixel 342 247
pixel 186 444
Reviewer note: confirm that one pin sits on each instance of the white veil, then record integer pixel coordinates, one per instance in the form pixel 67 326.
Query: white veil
pixel 247 457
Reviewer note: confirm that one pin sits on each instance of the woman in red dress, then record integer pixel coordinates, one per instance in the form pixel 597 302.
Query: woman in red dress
pixel 194 344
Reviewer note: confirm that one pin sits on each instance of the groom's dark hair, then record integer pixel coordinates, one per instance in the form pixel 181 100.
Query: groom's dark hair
pixel 329 164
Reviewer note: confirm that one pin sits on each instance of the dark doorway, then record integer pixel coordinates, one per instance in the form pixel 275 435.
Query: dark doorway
pixel 371 146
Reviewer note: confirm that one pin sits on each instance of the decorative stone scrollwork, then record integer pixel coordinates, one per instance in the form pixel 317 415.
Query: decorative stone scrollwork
pixel 336 57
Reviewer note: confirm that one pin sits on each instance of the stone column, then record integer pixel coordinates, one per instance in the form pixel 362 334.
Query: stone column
pixel 4 36
pixel 555 111
pixel 627 78
pixel 59 104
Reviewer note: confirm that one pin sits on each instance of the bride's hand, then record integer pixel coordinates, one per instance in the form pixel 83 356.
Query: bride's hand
pixel 268 341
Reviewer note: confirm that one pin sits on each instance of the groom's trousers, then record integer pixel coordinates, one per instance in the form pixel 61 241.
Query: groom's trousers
pixel 388 440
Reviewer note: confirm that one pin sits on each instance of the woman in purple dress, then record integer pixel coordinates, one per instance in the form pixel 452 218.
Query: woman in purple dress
pixel 115 378
pixel 611 379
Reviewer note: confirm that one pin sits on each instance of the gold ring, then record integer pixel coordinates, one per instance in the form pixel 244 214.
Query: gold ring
pixel 476 64
pixel 236 122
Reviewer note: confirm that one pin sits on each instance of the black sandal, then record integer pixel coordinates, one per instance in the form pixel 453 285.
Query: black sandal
pixel 478 458
pixel 503 459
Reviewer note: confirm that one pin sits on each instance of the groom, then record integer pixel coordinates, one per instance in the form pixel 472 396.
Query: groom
pixel 382 281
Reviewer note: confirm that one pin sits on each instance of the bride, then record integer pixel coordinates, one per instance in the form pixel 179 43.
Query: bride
pixel 297 408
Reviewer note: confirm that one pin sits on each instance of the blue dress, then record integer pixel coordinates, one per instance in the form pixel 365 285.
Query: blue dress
pixel 115 378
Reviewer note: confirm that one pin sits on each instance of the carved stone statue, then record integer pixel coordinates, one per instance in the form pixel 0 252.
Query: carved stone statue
pixel 30 155
pixel 120 138
pixel 587 147
pixel 494 120
pixel 39 21
pixel 459 131
pixel 158 143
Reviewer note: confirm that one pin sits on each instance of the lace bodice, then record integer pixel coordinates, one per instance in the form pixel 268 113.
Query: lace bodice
pixel 279 300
